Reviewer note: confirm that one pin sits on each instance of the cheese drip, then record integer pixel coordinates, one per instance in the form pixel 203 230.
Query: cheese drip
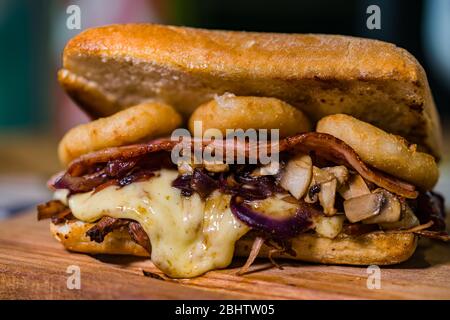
pixel 189 236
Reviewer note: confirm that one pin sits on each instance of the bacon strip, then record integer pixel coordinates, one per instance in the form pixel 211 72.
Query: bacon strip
pixel 322 144
pixel 78 166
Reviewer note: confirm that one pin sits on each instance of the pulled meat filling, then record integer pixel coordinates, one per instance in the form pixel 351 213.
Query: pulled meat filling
pixel 351 197
pixel 54 210
pixel 91 170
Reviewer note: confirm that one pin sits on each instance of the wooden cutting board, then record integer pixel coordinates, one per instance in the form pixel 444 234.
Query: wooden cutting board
pixel 34 266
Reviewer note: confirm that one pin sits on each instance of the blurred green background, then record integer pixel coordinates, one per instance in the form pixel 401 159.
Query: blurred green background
pixel 34 112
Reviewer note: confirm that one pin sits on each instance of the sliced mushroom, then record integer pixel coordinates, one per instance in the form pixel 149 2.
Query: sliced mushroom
pixel 188 166
pixel 270 169
pixel 329 227
pixel 276 207
pixel 390 210
pixel 321 176
pixel 340 172
pixel 296 177
pixel 355 187
pixel 327 195
pixel 327 192
pixel 408 220
pixel 323 188
pixel 185 168
pixel 363 207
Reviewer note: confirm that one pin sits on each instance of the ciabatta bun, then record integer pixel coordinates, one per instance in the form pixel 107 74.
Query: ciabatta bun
pixel 380 248
pixel 109 68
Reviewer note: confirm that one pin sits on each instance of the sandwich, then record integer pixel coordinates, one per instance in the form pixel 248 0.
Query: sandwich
pixel 207 145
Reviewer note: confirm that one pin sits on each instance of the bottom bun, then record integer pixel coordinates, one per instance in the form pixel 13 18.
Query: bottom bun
pixel 73 236
pixel 380 248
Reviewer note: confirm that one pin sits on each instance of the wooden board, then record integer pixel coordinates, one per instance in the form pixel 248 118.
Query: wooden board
pixel 34 266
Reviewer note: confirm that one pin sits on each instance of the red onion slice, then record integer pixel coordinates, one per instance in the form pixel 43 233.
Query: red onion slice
pixel 288 226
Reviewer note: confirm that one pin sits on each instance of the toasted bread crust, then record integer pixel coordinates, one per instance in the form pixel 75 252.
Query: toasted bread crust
pixel 377 82
pixel 379 248
pixel 138 123
pixel 72 235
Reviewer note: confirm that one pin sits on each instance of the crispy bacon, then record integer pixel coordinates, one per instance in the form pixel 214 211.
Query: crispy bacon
pixel 80 165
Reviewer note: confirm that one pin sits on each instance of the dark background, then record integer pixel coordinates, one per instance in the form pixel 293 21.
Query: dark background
pixel 35 113
pixel 34 33
pixel 403 23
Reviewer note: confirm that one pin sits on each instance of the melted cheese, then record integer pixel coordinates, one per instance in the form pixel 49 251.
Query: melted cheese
pixel 188 236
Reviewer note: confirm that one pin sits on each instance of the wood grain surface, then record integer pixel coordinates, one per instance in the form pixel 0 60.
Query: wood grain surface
pixel 34 266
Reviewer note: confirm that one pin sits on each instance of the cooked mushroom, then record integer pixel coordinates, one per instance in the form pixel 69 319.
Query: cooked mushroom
pixel 297 175
pixel 321 176
pixel 184 168
pixel 355 187
pixel 313 192
pixel 327 191
pixel 327 196
pixel 340 172
pixel 329 227
pixel 270 169
pixel 390 210
pixel 363 207
pixel 408 220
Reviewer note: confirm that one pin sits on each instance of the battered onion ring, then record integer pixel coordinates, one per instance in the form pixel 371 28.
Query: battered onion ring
pixel 132 125
pixel 386 152
pixel 232 112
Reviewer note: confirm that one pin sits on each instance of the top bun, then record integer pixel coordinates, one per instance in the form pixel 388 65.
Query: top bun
pixel 110 68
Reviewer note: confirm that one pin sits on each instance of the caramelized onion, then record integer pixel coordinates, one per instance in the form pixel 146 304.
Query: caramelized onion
pixel 81 184
pixel 324 145
pixel 256 247
pixel 202 183
pixel 275 227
